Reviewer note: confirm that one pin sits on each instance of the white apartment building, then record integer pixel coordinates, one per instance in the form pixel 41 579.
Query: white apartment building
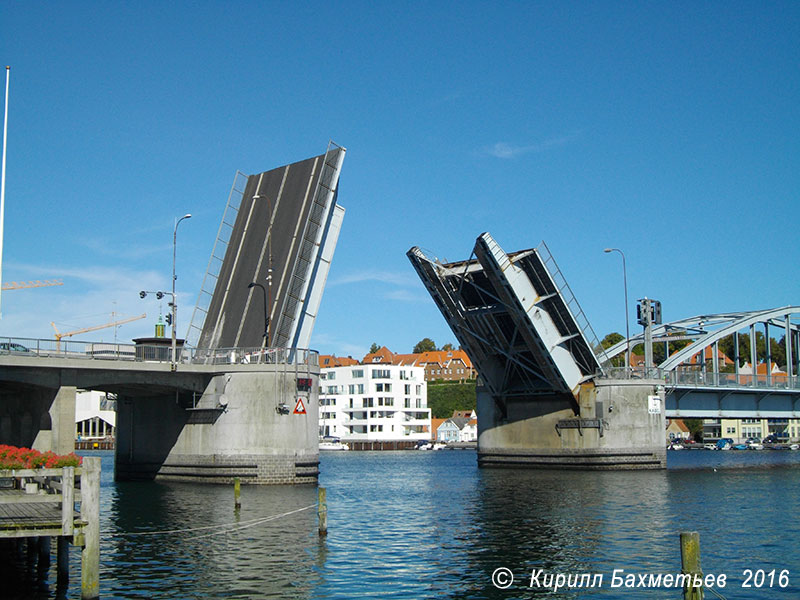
pixel 378 402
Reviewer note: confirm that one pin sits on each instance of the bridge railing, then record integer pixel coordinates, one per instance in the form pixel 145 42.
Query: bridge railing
pixel 697 378
pixel 72 349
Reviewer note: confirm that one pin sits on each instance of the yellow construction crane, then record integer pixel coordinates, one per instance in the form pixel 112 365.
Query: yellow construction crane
pixel 59 335
pixel 18 285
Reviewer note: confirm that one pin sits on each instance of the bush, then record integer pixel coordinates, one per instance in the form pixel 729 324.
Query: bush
pixel 12 457
pixel 444 397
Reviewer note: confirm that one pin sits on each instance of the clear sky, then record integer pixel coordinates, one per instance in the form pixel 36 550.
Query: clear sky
pixel 669 130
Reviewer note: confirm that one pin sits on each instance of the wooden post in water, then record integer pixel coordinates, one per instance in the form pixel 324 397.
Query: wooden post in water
pixel 237 494
pixel 690 563
pixel 62 561
pixel 90 512
pixel 67 524
pixel 43 542
pixel 322 511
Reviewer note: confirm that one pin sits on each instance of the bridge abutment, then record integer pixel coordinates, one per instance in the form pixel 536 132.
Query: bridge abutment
pixel 620 425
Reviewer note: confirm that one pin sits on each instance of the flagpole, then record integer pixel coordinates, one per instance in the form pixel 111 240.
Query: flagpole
pixel 3 184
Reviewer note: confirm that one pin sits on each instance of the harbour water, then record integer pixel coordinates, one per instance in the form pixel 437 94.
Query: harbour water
pixel 413 525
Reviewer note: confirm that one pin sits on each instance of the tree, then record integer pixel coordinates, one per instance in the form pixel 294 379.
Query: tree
pixel 610 340
pixel 374 348
pixel 448 347
pixel 425 345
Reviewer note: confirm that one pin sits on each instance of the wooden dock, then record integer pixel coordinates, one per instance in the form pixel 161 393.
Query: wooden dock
pixel 39 504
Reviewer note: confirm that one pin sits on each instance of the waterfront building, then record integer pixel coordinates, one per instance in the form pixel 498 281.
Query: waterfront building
pixel 458 429
pixel 677 430
pixel 374 402
pixel 740 430
pixel 95 415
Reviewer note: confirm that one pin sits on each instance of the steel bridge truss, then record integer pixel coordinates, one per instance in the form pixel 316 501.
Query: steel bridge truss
pixel 516 318
pixel 699 384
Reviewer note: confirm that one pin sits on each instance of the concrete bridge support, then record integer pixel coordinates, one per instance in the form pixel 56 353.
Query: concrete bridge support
pixel 38 417
pixel 620 425
pixel 245 425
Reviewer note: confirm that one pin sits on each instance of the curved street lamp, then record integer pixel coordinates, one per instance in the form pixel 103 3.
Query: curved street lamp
pixel 174 278
pixel 627 327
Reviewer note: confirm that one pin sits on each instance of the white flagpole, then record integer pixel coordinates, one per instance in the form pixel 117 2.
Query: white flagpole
pixel 3 183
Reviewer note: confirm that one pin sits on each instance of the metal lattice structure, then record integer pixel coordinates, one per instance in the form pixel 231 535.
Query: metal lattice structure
pixel 704 334
pixel 515 317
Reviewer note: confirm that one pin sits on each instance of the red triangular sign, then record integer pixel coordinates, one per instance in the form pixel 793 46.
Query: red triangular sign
pixel 300 408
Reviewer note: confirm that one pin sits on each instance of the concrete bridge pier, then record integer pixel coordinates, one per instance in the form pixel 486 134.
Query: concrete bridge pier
pixel 257 426
pixel 620 425
pixel 38 417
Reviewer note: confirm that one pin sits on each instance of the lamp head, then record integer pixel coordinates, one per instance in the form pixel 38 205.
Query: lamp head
pixel 607 250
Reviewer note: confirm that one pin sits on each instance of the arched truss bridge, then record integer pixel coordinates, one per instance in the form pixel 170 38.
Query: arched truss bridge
pixel 685 367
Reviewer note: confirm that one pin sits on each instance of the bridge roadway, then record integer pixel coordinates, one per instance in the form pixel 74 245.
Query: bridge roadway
pixel 218 415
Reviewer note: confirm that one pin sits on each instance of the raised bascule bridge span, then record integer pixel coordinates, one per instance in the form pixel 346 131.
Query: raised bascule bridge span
pixel 240 399
pixel 548 395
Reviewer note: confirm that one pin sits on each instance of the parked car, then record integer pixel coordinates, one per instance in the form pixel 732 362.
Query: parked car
pixel 13 348
pixel 724 443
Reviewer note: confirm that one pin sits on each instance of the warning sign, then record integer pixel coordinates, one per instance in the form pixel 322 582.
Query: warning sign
pixel 299 408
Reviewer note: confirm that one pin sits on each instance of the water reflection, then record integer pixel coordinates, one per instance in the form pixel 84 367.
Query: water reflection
pixel 208 550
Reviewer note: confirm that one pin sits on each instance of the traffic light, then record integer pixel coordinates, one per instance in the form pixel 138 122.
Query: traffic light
pixel 168 318
pixel 159 295
pixel 656 312
pixel 142 294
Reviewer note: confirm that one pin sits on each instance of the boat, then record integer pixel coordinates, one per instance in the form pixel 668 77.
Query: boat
pixel 329 443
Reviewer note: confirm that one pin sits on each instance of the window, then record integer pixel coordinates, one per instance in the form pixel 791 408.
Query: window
pixel 360 388
pixel 408 403
pixel 383 387
pixel 407 389
pixel 419 390
pixel 357 373
pixel 381 374
pixel 331 375
pixel 351 388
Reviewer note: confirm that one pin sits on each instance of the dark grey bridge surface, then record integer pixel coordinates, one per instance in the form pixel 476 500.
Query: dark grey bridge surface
pixel 282 226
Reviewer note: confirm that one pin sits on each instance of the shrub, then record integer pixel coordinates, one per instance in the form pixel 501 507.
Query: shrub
pixel 12 457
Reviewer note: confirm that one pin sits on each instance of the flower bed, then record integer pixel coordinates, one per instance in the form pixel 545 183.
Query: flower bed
pixel 12 457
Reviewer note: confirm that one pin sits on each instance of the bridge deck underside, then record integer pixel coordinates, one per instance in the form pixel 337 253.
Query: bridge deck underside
pixel 725 403
pixel 510 317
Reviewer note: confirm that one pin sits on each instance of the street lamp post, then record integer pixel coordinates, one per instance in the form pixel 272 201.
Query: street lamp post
pixel 265 343
pixel 627 327
pixel 174 278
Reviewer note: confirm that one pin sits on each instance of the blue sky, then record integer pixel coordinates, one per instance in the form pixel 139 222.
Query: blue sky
pixel 669 130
